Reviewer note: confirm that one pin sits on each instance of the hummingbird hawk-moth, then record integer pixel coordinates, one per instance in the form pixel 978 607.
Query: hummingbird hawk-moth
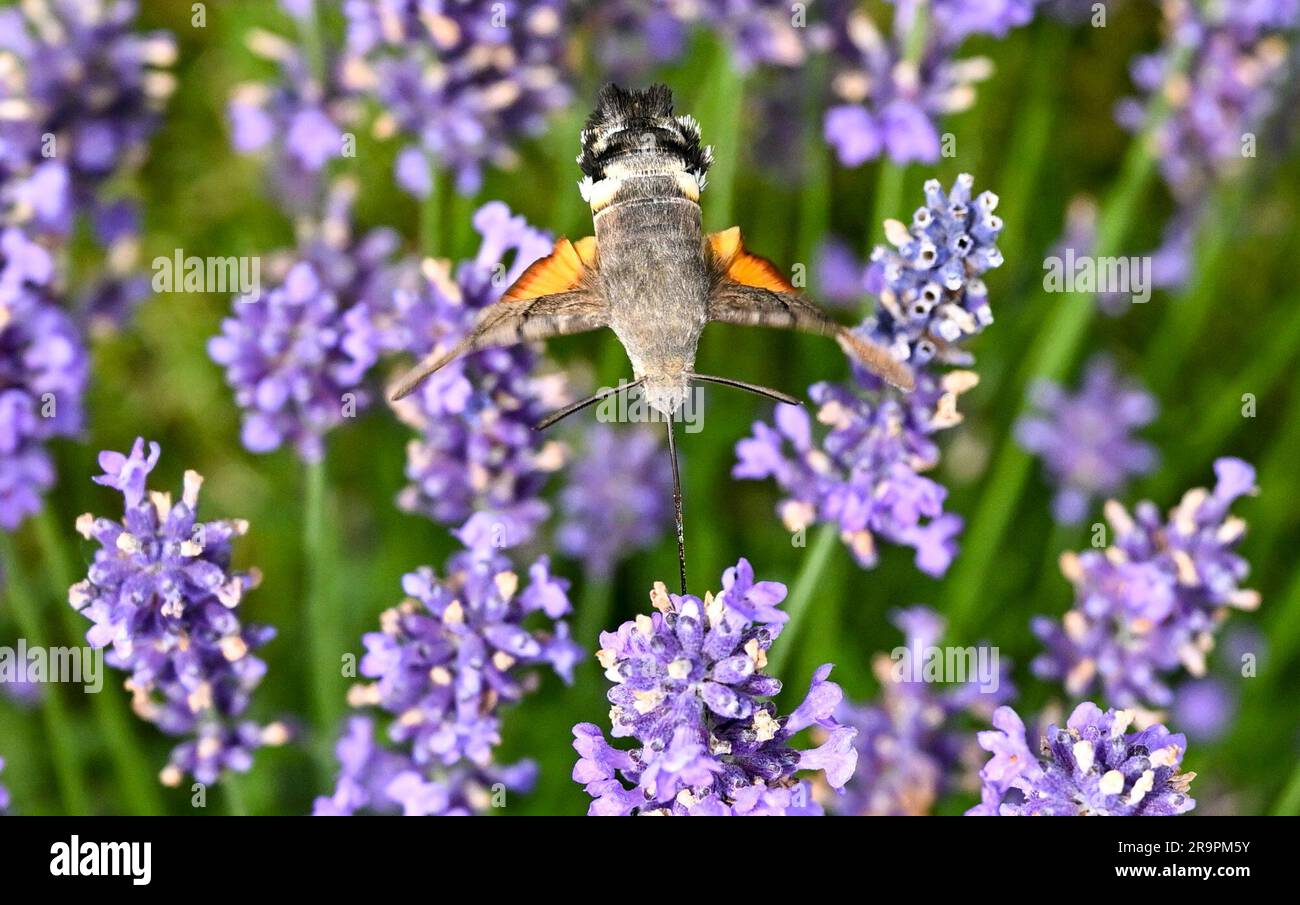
pixel 650 273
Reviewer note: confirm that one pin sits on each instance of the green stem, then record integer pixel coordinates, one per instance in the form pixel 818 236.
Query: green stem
pixel 324 631
pixel 1270 525
pixel 65 748
pixel 139 786
pixel 1051 355
pixel 1029 144
pixel 596 603
pixel 1288 803
pixel 888 202
pixel 592 618
pixel 1186 315
pixel 727 93
pixel 802 593
pixel 572 215
pixel 310 34
pixel 1283 634
pixel 814 200
pixel 236 803
pixel 890 181
pixel 431 214
pixel 1222 417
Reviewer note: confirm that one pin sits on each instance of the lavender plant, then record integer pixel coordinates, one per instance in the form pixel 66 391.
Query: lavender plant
pixel 290 354
pixel 82 93
pixel 461 82
pixel 1221 68
pixel 866 475
pixel 476 447
pixel 690 690
pixel 442 664
pixel 894 86
pixel 1084 438
pixel 1154 600
pixel 43 372
pixel 911 748
pixel 1092 767
pixel 163 600
pixel 296 122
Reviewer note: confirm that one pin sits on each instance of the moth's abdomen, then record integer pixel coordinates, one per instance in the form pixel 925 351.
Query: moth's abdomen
pixel 634 148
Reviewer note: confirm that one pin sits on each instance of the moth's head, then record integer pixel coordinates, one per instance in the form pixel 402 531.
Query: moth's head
pixel 666 392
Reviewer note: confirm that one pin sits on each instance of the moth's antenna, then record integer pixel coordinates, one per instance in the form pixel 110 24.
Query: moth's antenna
pixel 579 406
pixel 750 387
pixel 677 506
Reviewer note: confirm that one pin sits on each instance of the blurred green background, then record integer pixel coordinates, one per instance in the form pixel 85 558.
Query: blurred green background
pixel 1041 132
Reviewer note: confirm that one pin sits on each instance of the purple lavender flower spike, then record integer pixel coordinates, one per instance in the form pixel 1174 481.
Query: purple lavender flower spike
pixel 1221 69
pixel 476 449
pixel 377 780
pixel 442 664
pixel 288 353
pixel 890 104
pixel 910 747
pixel 690 690
pixel 163 599
pixel 929 277
pixel 1236 61
pixel 1093 766
pixel 81 74
pixel 297 121
pixel 4 793
pixel 608 513
pixel 1154 600
pixel 866 474
pixel 1084 439
pixel 461 81
pixel 44 367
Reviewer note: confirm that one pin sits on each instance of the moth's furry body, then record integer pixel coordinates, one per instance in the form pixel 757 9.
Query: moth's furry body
pixel 650 273
pixel 643 171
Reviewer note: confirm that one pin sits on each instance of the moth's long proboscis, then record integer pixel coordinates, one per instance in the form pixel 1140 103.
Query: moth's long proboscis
pixel 749 387
pixel 677 507
pixel 582 404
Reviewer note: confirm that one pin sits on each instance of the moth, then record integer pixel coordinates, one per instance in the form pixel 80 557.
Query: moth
pixel 650 273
